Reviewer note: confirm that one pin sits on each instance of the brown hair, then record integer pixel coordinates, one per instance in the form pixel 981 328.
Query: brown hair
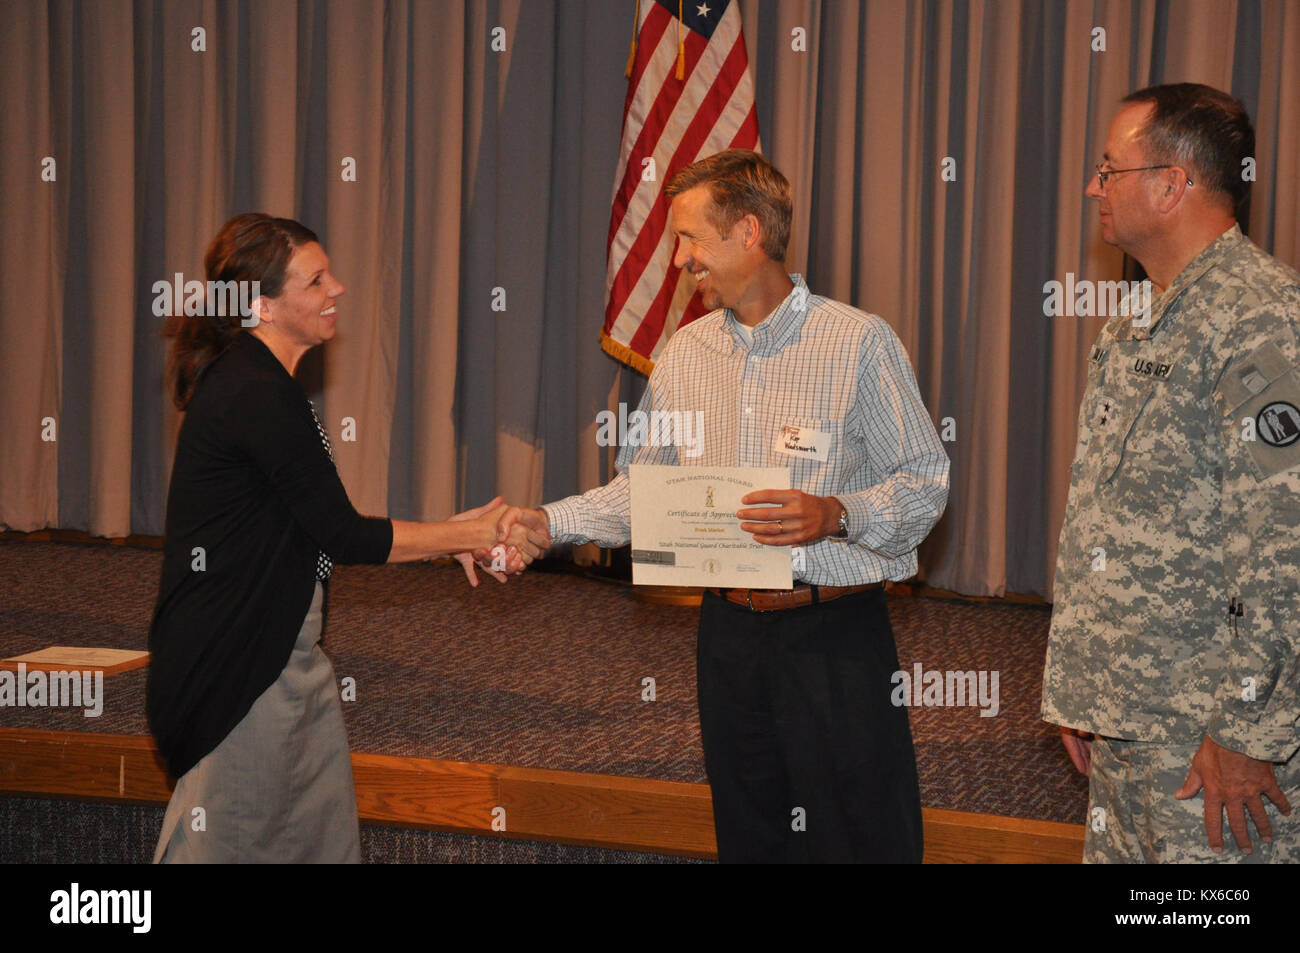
pixel 1203 130
pixel 250 247
pixel 741 183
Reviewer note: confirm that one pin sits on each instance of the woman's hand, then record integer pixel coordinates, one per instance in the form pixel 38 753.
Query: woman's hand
pixel 481 557
pixel 492 541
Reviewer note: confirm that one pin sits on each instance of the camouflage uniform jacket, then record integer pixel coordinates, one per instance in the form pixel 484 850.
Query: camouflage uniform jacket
pixel 1178 575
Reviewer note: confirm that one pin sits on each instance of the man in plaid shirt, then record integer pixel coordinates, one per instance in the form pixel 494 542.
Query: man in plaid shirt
pixel 807 756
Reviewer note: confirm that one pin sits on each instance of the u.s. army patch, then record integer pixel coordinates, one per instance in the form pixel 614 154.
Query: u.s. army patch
pixel 1156 370
pixel 1278 424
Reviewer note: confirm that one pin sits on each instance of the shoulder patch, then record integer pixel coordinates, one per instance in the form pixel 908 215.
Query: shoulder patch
pixel 1260 397
pixel 1278 424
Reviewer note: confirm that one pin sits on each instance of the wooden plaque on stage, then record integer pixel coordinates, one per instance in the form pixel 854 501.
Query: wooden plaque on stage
pixel 58 658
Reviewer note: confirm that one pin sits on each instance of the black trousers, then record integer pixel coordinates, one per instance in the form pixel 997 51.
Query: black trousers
pixel 808 759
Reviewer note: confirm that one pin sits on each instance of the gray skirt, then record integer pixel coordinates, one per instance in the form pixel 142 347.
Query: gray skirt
pixel 279 788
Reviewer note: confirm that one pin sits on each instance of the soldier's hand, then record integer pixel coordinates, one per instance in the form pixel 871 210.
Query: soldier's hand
pixel 1236 782
pixel 1078 745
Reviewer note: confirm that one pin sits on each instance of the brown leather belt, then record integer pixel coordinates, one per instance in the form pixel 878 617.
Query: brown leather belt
pixel 769 600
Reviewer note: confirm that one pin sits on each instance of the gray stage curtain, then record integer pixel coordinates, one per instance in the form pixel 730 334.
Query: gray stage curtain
pixel 479 169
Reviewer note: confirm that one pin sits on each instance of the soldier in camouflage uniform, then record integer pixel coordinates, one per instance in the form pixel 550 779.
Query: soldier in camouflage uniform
pixel 1175 637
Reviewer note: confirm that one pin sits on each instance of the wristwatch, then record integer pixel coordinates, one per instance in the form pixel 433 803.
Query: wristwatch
pixel 843 532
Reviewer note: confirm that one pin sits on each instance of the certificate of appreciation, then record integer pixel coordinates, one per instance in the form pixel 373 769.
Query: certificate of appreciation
pixel 685 531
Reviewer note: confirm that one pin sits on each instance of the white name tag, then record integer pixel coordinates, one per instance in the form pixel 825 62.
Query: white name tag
pixel 803 442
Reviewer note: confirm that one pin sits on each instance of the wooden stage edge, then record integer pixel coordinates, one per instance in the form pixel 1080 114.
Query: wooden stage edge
pixel 571 807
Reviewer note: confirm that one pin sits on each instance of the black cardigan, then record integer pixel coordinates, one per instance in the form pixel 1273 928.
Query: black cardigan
pixel 253 487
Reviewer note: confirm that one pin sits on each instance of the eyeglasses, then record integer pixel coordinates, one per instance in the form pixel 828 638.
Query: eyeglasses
pixel 1104 174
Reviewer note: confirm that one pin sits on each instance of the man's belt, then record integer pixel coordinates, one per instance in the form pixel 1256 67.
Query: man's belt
pixel 769 600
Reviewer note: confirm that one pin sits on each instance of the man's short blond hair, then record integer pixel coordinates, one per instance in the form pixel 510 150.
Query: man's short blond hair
pixel 742 182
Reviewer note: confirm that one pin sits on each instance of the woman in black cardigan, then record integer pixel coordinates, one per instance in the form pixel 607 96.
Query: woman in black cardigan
pixel 241 700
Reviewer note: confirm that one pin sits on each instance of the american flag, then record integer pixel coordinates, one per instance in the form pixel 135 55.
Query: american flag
pixel 689 95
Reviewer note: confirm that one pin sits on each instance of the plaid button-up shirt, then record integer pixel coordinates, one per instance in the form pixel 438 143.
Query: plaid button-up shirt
pixel 815 364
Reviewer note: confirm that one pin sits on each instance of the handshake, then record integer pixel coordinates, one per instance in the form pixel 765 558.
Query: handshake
pixel 521 535
pixel 514 536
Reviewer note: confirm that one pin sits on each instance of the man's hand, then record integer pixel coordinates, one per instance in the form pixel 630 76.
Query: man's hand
pixel 532 524
pixel 799 517
pixel 1078 745
pixel 1234 781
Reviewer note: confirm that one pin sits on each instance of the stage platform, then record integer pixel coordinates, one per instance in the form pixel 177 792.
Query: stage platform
pixel 531 697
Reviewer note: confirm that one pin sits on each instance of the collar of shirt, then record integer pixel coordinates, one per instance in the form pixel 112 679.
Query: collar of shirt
pixel 779 329
pixel 1211 255
pixel 253 348
pixel 260 352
